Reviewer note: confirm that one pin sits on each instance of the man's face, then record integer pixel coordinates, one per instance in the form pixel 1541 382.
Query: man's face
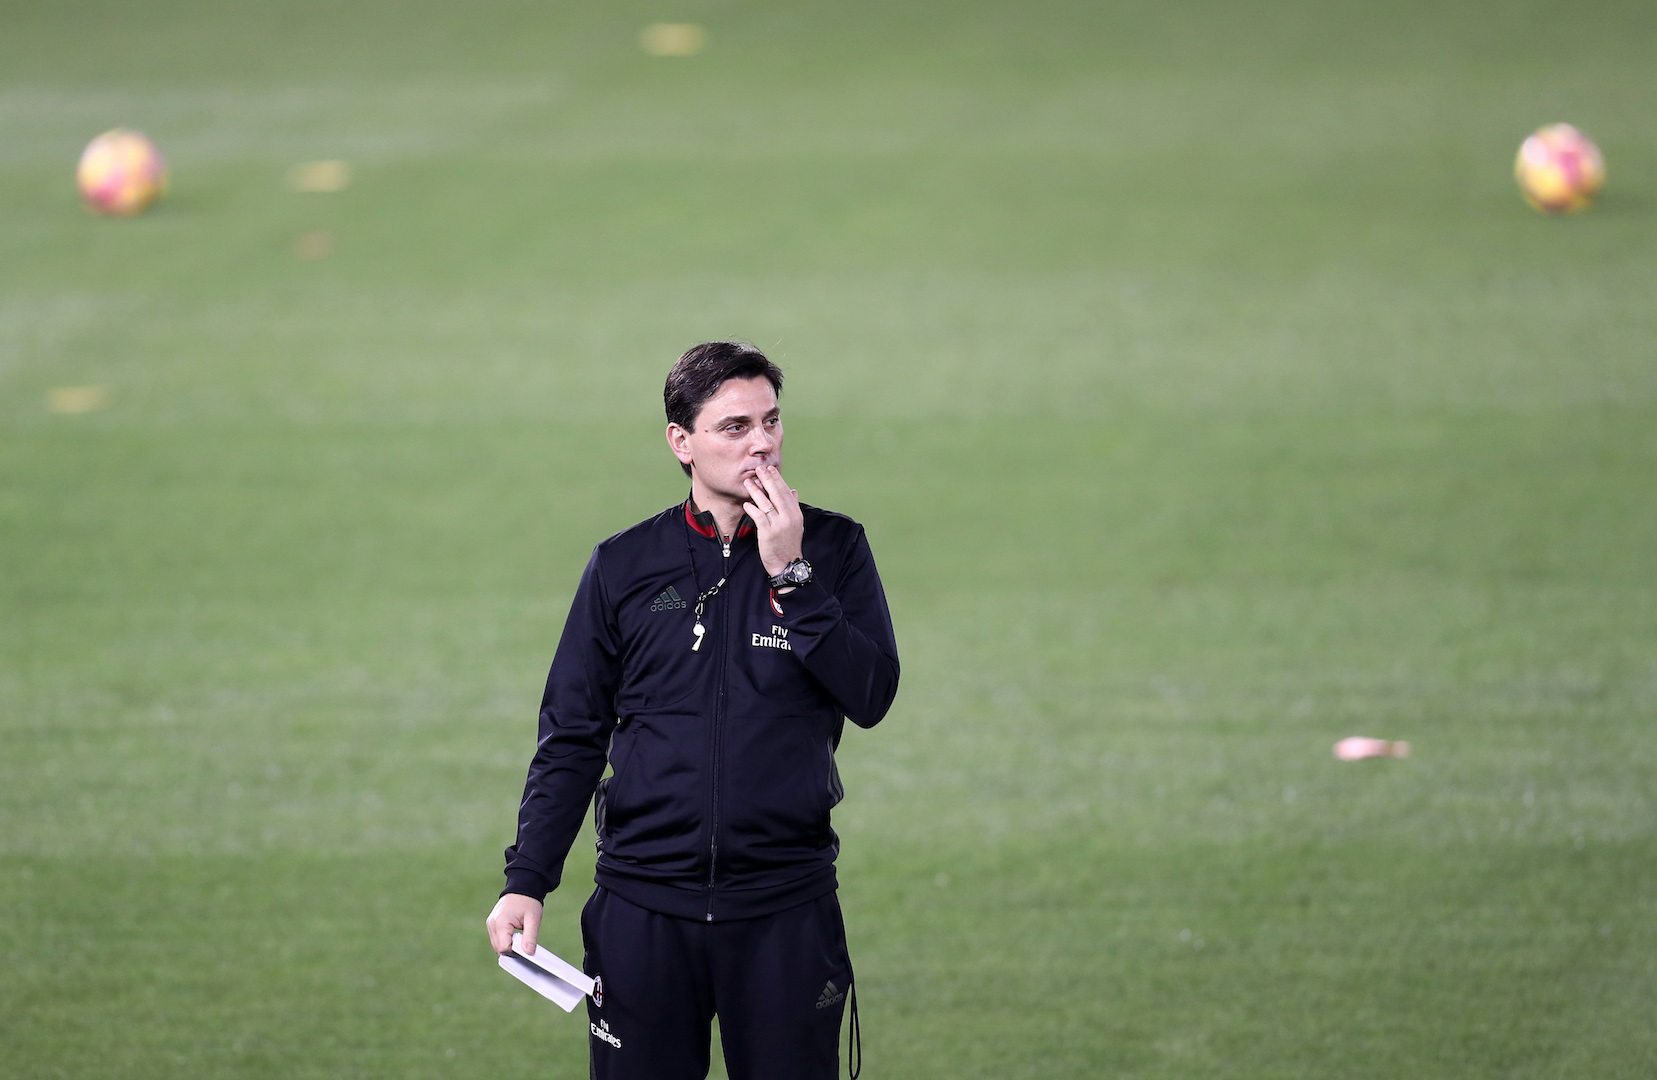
pixel 738 430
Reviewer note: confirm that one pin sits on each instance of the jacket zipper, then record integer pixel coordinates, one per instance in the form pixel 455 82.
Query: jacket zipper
pixel 717 735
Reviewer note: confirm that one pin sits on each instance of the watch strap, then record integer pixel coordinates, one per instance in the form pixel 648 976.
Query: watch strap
pixel 797 572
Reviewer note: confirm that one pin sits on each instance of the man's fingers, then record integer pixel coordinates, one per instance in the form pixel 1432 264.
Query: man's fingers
pixel 761 497
pixel 777 489
pixel 532 929
pixel 782 500
pixel 514 912
pixel 500 935
pixel 761 520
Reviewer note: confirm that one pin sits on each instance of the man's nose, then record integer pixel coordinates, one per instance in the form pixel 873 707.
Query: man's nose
pixel 763 442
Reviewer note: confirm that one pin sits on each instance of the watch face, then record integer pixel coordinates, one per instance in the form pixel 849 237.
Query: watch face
pixel 797 571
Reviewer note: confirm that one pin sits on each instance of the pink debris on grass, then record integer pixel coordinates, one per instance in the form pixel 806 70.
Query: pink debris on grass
pixel 1357 748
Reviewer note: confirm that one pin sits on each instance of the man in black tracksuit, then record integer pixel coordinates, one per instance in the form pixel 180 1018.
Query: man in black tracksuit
pixel 711 657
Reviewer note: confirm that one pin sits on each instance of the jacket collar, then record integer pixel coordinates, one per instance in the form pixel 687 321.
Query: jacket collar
pixel 703 523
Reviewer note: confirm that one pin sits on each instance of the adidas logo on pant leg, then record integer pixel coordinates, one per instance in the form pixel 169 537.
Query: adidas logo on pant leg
pixel 831 995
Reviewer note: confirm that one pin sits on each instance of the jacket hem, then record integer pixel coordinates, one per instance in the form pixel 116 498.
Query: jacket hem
pixel 728 905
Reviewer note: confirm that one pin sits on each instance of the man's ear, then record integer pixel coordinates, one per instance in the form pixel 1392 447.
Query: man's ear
pixel 678 440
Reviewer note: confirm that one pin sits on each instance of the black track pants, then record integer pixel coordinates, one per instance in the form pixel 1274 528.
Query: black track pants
pixel 778 985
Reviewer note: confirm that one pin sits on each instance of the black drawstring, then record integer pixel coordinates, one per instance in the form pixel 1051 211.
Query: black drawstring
pixel 854 1037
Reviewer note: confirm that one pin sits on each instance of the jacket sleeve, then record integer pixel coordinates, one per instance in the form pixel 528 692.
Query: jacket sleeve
pixel 842 633
pixel 578 717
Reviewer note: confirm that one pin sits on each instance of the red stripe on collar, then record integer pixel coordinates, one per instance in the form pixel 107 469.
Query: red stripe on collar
pixel 703 523
pixel 693 520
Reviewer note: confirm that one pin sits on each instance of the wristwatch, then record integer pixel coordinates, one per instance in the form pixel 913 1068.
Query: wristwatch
pixel 797 572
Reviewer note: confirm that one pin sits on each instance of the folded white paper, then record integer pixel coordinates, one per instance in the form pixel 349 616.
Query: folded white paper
pixel 559 982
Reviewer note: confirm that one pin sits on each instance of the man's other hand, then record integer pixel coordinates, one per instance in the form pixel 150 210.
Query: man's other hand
pixel 514 912
pixel 774 508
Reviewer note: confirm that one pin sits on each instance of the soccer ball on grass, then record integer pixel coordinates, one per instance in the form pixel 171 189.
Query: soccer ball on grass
pixel 1559 170
pixel 121 173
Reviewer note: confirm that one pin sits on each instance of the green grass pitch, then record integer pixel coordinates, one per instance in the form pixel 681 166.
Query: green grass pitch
pixel 1206 389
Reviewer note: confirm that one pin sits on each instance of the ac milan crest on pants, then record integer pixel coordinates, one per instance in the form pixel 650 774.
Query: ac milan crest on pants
pixel 777 983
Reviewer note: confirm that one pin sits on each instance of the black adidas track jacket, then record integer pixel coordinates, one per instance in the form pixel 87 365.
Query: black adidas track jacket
pixel 722 756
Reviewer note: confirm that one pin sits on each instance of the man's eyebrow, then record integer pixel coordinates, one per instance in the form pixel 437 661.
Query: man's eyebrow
pixel 775 410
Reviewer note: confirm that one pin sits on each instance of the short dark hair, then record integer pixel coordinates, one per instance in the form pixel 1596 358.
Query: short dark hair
pixel 703 369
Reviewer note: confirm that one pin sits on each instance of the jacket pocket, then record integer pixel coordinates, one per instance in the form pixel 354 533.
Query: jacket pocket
pixel 835 789
pixel 775 795
pixel 654 805
pixel 598 810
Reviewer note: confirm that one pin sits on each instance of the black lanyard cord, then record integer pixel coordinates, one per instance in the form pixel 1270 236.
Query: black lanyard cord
pixel 702 598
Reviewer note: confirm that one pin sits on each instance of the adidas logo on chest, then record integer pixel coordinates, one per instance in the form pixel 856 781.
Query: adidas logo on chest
pixel 669 600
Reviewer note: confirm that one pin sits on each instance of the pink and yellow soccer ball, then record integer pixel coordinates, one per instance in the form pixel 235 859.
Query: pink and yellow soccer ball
pixel 1559 170
pixel 121 173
